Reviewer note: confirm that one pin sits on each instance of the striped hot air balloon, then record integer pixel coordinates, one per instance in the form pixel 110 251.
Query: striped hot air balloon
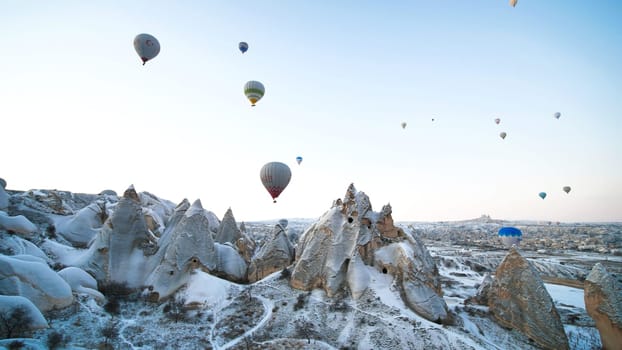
pixel 510 236
pixel 275 177
pixel 147 47
pixel 254 91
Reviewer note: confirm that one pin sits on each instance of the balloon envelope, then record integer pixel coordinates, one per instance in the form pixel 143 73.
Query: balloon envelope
pixel 566 189
pixel 254 91
pixel 542 195
pixel 510 236
pixel 513 3
pixel 147 47
pixel 497 120
pixel 275 177
pixel 243 46
pixel 503 134
pixel 298 160
pixel 557 115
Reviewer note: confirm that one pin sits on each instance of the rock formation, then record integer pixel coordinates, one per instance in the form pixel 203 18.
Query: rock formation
pixel 333 253
pixel 603 302
pixel 80 228
pixel 228 232
pixel 118 251
pixel 33 279
pixel 81 282
pixel 189 246
pixel 519 300
pixel 481 296
pixel 4 197
pixel 274 255
pixel 8 303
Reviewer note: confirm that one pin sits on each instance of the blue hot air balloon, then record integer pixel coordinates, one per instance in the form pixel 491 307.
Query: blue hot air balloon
pixel 510 236
pixel 542 195
pixel 299 160
pixel 243 46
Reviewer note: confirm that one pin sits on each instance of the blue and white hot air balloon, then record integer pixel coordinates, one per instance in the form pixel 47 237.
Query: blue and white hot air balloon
pixel 510 236
pixel 299 160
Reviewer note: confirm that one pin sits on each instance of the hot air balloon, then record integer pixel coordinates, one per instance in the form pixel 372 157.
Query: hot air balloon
pixel 510 236
pixel 432 119
pixel 275 177
pixel 403 125
pixel 299 160
pixel 542 195
pixel 497 120
pixel 557 115
pixel 147 47
pixel 503 134
pixel 243 46
pixel 513 3
pixel 254 91
pixel 566 189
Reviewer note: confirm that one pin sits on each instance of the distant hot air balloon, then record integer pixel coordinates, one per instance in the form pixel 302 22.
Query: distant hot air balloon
pixel 503 134
pixel 275 177
pixel 254 91
pixel 403 125
pixel 510 236
pixel 542 195
pixel 243 46
pixel 497 120
pixel 299 160
pixel 566 189
pixel 147 47
pixel 432 119
pixel 513 3
pixel 557 115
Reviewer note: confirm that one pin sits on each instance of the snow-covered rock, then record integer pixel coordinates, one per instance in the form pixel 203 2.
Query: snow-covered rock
pixel 15 245
pixel 275 254
pixel 603 302
pixel 519 300
pixel 80 228
pixel 18 224
pixel 33 279
pixel 228 232
pixel 120 249
pixel 81 282
pixel 8 303
pixel 4 197
pixel 351 235
pixel 187 247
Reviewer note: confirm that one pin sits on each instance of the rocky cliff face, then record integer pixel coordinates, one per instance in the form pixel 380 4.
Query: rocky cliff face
pixel 603 302
pixel 274 255
pixel 518 299
pixel 333 252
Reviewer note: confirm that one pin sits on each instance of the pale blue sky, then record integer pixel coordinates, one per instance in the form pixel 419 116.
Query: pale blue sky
pixel 79 112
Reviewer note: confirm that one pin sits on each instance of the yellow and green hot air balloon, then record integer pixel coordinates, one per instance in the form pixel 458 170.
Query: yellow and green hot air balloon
pixel 254 91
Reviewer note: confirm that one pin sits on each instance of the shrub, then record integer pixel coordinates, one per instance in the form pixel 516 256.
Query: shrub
pixel 285 274
pixel 110 332
pixel 16 344
pixel 119 290
pixel 57 340
pixel 176 310
pixel 300 301
pixel 113 306
pixel 15 323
